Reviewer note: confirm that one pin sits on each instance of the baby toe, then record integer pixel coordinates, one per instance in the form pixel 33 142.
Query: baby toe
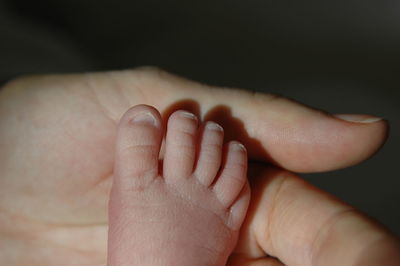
pixel 180 146
pixel 137 146
pixel 233 174
pixel 209 155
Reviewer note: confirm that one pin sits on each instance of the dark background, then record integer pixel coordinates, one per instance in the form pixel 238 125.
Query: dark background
pixel 340 56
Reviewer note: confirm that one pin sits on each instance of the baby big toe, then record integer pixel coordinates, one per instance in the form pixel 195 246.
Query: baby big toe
pixel 137 146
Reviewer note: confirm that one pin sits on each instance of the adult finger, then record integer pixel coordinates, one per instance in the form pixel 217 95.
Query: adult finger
pixel 274 129
pixel 301 225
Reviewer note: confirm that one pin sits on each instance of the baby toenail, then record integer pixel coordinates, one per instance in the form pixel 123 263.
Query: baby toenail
pixel 188 115
pixel 238 146
pixel 145 118
pixel 214 126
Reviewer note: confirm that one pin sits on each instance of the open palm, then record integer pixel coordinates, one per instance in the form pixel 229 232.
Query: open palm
pixel 57 161
pixel 56 154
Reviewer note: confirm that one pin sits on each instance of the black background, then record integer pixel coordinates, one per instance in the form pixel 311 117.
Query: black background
pixel 340 56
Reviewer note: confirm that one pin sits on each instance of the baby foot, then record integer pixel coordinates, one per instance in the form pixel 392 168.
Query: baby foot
pixel 189 211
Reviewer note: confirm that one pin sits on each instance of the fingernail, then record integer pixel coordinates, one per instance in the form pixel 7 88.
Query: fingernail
pixel 145 118
pixel 358 118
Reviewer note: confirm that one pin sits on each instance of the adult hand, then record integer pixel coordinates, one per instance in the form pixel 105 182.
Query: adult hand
pixel 57 140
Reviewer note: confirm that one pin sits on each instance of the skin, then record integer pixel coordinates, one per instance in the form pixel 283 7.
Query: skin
pixel 57 140
pixel 187 210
